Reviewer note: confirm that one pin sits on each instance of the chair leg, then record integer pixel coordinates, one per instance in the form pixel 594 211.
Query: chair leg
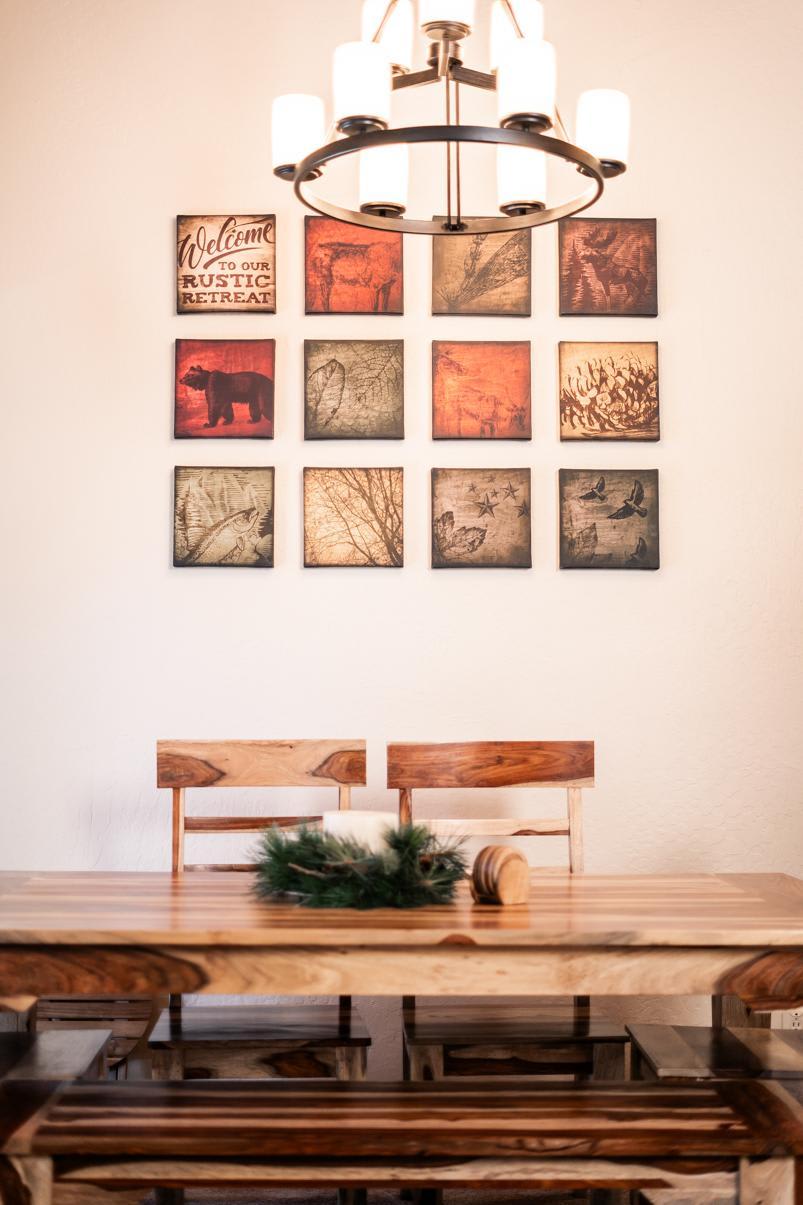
pixel 608 1061
pixel 352 1196
pixel 169 1196
pixel 26 1180
pixel 425 1062
pixel 768 1182
pixel 351 1062
pixel 167 1064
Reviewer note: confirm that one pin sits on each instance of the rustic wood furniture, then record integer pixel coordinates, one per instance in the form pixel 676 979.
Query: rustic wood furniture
pixel 130 1020
pixel 54 1056
pixel 708 1137
pixel 548 1036
pixel 698 1052
pixel 296 1040
pixel 100 933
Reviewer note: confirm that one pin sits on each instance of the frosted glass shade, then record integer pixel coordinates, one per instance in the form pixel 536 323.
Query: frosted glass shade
pixel 361 80
pixel 446 12
pixel 530 17
pixel 526 80
pixel 397 32
pixel 520 177
pixel 383 177
pixel 297 127
pixel 603 124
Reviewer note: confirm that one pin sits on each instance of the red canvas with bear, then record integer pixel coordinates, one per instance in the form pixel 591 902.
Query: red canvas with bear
pixel 224 388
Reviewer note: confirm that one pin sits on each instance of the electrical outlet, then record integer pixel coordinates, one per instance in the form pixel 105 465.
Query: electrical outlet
pixel 792 1019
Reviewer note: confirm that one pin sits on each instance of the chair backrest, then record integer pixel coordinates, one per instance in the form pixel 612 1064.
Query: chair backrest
pixel 310 763
pixel 492 764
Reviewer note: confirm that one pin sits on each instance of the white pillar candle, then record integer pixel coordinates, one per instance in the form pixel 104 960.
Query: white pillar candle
pixel 368 828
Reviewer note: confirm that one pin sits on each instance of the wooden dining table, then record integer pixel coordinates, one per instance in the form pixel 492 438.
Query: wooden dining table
pixel 97 933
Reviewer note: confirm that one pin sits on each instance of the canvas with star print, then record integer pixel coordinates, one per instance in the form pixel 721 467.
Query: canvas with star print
pixel 481 519
pixel 609 519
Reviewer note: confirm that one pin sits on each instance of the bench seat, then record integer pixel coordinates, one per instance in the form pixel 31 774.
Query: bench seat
pixel 701 1052
pixel 56 1055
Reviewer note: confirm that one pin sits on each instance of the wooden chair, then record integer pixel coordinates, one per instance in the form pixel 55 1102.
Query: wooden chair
pixel 739 1139
pixel 545 1036
pixel 287 1041
pixel 129 1019
pixel 54 1056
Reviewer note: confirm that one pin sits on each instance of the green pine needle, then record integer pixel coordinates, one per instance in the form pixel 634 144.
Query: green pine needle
pixel 324 871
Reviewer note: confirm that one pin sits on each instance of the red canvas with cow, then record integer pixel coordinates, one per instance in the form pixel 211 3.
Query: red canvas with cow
pixel 224 388
pixel 351 269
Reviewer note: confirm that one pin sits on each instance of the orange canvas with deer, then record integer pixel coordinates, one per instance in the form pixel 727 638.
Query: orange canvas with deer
pixel 351 269
pixel 481 390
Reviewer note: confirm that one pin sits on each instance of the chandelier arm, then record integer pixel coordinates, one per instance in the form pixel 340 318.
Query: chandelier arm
pixel 476 79
pixel 508 6
pixel 414 79
pixel 385 18
pixel 410 135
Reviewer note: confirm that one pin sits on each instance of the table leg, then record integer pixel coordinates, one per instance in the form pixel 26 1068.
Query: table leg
pixel 731 1011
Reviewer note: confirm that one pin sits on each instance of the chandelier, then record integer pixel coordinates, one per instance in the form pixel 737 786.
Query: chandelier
pixel 529 132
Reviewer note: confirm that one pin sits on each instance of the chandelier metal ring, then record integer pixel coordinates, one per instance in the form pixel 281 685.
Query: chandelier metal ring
pixel 311 168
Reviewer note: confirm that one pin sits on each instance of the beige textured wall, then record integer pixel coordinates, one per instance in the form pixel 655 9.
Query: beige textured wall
pixel 118 115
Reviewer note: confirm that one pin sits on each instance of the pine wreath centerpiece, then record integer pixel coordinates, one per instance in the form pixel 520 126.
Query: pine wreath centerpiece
pixel 325 871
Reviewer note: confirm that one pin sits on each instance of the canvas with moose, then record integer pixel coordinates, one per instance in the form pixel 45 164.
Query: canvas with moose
pixel 481 390
pixel 224 388
pixel 354 389
pixel 609 519
pixel 608 266
pixel 351 269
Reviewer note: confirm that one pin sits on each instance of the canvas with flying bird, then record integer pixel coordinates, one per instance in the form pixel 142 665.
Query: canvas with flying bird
pixel 609 519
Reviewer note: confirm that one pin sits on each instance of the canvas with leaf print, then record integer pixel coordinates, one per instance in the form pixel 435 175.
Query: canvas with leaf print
pixel 608 266
pixel 481 519
pixel 354 518
pixel 482 274
pixel 223 517
pixel 609 519
pixel 354 389
pixel 609 391
pixel 481 390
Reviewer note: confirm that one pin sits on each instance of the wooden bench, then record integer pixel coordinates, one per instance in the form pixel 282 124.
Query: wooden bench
pixel 713 1138
pixel 699 1052
pixel 54 1056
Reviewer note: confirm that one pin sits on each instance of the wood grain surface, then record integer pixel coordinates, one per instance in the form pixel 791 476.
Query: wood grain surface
pixel 302 763
pixel 99 933
pixel 491 764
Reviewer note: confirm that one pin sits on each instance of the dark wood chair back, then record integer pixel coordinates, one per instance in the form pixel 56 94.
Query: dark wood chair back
pixel 197 764
pixel 494 764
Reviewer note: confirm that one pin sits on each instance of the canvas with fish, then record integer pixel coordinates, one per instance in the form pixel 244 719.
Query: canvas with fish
pixel 609 519
pixel 608 266
pixel 481 519
pixel 223 517
pixel 224 388
pixel 482 274
pixel 481 390
pixel 354 389
pixel 609 391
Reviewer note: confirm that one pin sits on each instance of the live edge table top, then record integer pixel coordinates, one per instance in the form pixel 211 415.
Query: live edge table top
pixel 603 934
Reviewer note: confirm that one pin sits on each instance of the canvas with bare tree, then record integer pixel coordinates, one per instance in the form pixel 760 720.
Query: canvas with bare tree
pixel 481 519
pixel 609 519
pixel 608 391
pixel 482 274
pixel 352 269
pixel 354 389
pixel 354 518
pixel 223 517
pixel 481 390
pixel 608 266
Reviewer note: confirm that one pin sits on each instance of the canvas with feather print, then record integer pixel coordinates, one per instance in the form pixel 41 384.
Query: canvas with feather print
pixel 482 274
pixel 354 389
pixel 223 517
pixel 608 266
pixel 609 519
